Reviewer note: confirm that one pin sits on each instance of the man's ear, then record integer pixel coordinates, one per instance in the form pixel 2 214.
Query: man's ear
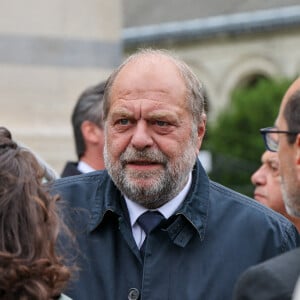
pixel 297 146
pixel 201 132
pixel 90 132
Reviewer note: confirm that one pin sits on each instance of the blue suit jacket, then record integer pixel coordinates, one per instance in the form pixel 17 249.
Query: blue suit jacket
pixel 198 253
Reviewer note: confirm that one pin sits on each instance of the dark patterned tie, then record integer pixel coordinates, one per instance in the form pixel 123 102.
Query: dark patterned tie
pixel 148 221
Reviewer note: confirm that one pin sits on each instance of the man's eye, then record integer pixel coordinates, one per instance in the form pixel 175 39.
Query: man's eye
pixel 161 123
pixel 123 121
pixel 274 168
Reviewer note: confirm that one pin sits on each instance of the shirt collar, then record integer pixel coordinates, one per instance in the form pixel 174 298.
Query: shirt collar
pixel 83 167
pixel 105 198
pixel 167 210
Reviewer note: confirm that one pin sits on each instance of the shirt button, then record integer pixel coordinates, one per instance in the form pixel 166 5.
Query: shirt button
pixel 133 294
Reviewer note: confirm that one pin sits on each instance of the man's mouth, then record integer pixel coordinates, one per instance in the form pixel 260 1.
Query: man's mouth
pixel 142 162
pixel 258 196
pixel 142 165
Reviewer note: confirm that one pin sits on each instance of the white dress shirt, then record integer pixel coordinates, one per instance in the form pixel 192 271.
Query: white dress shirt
pixel 84 167
pixel 167 210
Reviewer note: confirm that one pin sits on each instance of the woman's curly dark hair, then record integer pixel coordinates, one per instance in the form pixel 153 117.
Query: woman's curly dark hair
pixel 30 266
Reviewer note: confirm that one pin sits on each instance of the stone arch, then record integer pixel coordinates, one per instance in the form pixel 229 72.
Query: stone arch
pixel 243 71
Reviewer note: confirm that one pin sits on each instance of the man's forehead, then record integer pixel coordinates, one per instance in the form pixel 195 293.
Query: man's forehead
pixel 269 156
pixel 138 79
pixel 291 90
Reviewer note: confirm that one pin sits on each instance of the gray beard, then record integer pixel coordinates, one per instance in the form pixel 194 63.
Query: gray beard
pixel 291 200
pixel 165 183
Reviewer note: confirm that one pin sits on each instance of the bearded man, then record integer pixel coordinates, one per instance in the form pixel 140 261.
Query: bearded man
pixel 153 226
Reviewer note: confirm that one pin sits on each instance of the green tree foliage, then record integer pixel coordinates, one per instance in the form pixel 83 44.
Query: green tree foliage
pixel 234 139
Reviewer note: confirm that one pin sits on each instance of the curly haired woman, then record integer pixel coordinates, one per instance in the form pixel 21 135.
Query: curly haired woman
pixel 30 266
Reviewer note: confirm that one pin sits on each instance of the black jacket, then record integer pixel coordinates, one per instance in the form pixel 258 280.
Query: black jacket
pixel 70 169
pixel 274 279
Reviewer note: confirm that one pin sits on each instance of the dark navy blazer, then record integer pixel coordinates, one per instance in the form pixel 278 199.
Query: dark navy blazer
pixel 196 254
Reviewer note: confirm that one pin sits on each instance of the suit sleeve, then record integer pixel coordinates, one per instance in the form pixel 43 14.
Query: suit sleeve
pixel 261 283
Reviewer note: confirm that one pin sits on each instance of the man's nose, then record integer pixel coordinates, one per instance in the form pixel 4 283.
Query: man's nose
pixel 258 178
pixel 142 135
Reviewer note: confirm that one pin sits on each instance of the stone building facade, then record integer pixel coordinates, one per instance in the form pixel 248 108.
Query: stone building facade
pixel 49 52
pixel 228 44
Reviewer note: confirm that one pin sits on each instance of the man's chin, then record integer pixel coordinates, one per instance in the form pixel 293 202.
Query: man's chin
pixel 142 178
pixel 142 183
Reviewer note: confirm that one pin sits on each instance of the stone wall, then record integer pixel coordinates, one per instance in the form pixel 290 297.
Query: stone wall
pixel 223 64
pixel 49 52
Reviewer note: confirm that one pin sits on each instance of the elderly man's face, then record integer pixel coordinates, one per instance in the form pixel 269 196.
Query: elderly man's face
pixel 267 183
pixel 150 145
pixel 289 160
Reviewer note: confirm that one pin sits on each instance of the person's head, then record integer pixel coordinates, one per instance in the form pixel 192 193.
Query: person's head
pixel 285 139
pixel 29 224
pixel 266 180
pixel 154 126
pixel 88 125
pixel 289 148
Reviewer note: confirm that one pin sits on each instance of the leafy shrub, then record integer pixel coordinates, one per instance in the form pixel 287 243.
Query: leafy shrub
pixel 234 139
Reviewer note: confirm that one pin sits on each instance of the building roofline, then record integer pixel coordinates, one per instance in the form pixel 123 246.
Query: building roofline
pixel 256 21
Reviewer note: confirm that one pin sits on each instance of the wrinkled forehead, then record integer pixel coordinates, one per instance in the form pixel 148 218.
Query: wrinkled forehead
pixel 152 74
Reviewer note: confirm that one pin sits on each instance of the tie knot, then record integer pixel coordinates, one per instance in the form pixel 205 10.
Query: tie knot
pixel 149 220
